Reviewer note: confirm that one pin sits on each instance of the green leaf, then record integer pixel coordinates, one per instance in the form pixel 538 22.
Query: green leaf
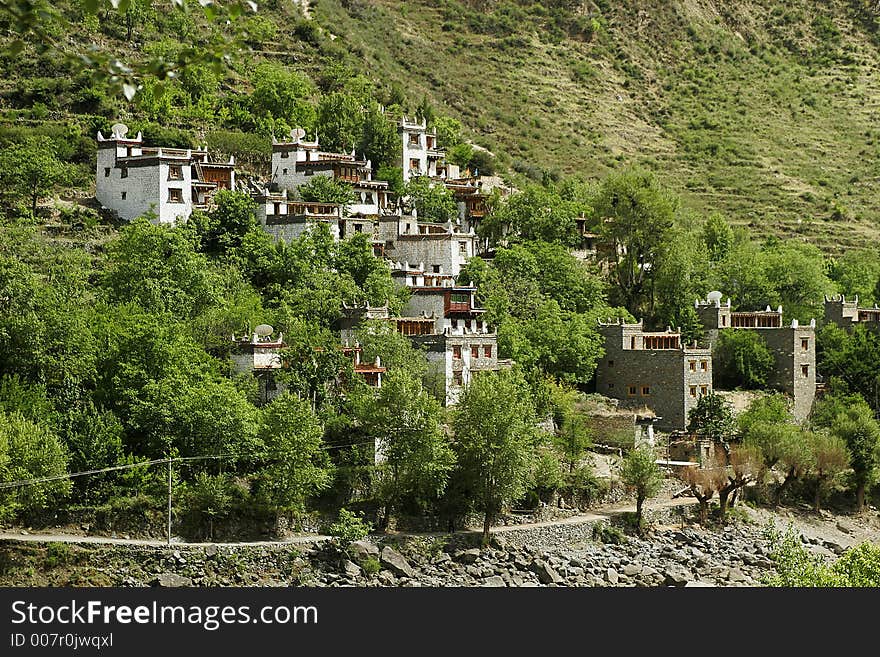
pixel 15 47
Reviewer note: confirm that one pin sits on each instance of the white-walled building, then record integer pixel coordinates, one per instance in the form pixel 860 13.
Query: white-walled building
pixel 259 354
pixel 132 179
pixel 286 219
pixel 441 248
pixel 421 154
pixel 295 163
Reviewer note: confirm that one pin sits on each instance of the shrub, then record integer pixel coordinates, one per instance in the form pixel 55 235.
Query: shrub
pixel 57 554
pixel 605 533
pixel 371 566
pixel 349 527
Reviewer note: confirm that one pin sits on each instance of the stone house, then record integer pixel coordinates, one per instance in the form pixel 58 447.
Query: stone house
pixel 421 154
pixel 295 162
pixel 793 346
pixel 653 370
pixel 259 354
pixel 847 314
pixel 441 248
pixel 133 179
pixel 287 219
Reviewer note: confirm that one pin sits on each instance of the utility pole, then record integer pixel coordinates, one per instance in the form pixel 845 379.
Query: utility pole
pixel 169 500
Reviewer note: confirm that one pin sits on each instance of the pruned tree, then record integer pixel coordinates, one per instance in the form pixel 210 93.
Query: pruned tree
pixel 744 466
pixel 703 484
pixel 830 458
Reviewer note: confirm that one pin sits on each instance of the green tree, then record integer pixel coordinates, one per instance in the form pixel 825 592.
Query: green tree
pixel 535 213
pixel 856 274
pixel 31 169
pixel 573 438
pixel 635 215
pixel 495 434
pixel 640 473
pixel 279 93
pixel 379 140
pixel 158 268
pixel 741 359
pixel 29 451
pixel 852 357
pixel 717 237
pixel 861 433
pixel 430 200
pixel 414 455
pixel 340 121
pixel 206 500
pixel 324 189
pixel 712 417
pixel 223 228
pixel 296 465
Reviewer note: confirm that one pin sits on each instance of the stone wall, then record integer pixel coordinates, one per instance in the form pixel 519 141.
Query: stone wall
pixel 790 359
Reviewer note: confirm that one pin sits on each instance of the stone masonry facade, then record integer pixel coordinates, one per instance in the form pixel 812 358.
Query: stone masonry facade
pixel 653 370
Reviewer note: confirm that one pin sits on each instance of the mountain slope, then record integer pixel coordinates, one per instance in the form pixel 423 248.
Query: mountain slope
pixel 764 111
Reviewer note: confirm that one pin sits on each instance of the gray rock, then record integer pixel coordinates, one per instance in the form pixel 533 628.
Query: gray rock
pixel 360 551
pixel 611 576
pixel 545 572
pixel 835 547
pixel 495 581
pixel 395 562
pixel 736 575
pixel 845 527
pixel 468 556
pixel 677 575
pixel 387 579
pixel 350 568
pixel 697 584
pixel 211 551
pixel 168 580
pixel 632 569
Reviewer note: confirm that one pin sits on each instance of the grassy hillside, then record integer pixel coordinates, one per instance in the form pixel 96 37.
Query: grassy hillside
pixel 764 111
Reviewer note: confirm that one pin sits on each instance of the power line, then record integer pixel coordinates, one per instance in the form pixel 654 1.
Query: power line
pixel 70 475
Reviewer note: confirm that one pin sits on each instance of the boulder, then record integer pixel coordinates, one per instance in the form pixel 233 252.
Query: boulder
pixel 350 568
pixel 468 556
pixel 611 576
pixel 835 547
pixel 632 569
pixel 495 581
pixel 395 562
pixel 360 551
pixel 677 576
pixel 169 580
pixel 736 575
pixel 545 572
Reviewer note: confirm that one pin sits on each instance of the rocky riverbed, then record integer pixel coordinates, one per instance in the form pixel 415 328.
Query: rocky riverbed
pixel 568 553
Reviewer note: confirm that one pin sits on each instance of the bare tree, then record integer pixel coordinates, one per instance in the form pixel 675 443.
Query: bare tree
pixel 703 484
pixel 745 464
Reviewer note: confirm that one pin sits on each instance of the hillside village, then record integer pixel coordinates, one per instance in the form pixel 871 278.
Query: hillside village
pixel 654 370
pixel 343 321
